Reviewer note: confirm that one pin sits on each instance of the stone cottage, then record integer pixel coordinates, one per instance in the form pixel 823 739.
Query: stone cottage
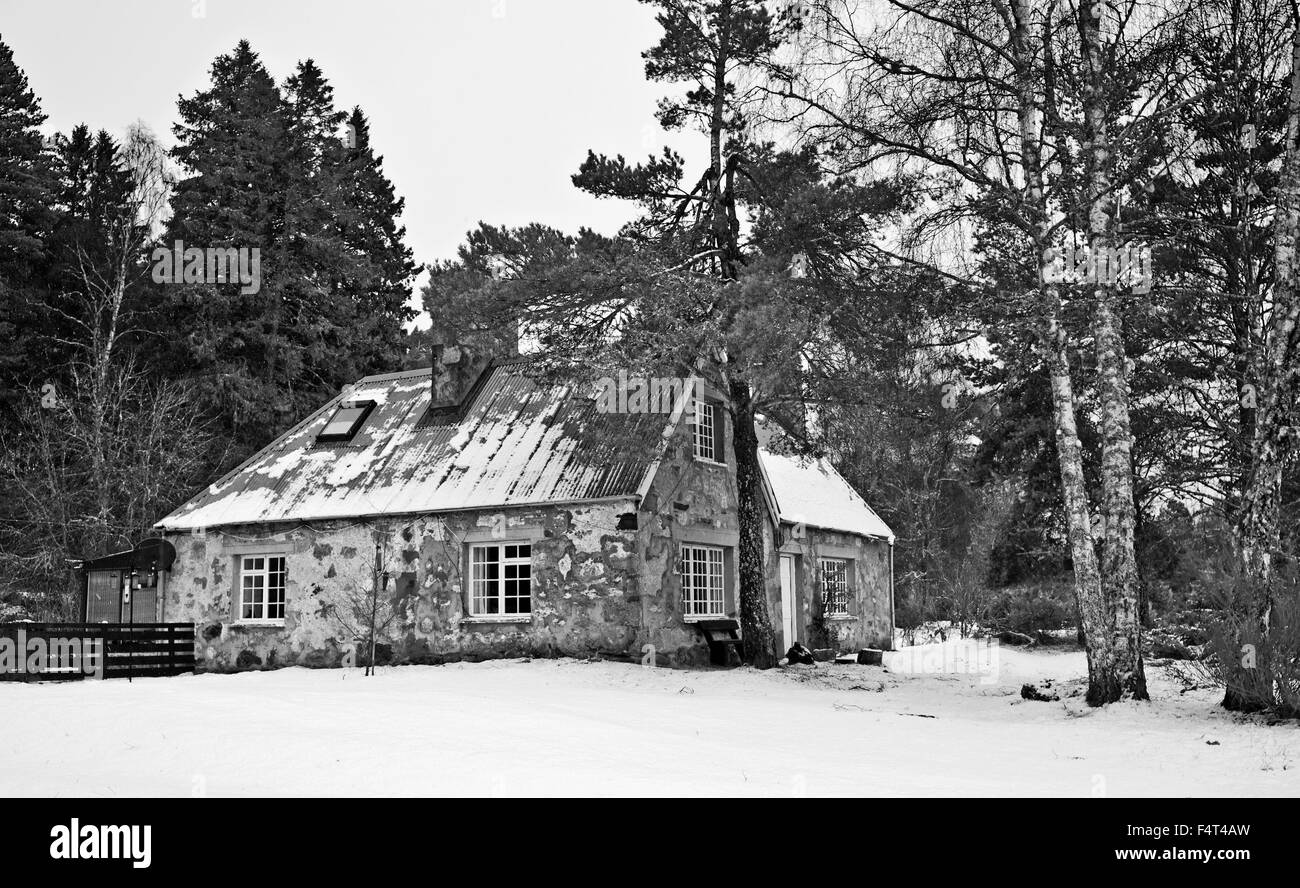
pixel 499 515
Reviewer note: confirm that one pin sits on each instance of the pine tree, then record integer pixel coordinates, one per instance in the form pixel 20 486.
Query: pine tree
pixel 92 200
pixel 25 219
pixel 271 169
pixel 685 288
pixel 343 261
pixel 303 303
pixel 232 143
pixel 378 276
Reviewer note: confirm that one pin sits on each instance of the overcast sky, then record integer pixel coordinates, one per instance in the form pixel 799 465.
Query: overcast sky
pixel 482 109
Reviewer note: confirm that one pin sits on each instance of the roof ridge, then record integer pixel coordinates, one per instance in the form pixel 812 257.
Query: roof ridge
pixel 396 374
pixel 425 371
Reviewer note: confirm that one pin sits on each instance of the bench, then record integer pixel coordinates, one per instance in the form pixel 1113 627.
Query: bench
pixel 722 636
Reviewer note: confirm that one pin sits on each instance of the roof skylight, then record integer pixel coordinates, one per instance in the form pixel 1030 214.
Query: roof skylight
pixel 346 421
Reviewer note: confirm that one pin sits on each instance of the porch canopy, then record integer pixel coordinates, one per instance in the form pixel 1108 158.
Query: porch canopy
pixel 141 569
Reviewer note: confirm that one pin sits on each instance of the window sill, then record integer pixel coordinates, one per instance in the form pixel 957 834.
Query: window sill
pixel 497 618
pixel 841 618
pixel 258 624
pixel 699 618
pixel 709 462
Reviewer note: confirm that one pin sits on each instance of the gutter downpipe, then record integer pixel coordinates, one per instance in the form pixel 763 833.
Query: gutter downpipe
pixel 891 594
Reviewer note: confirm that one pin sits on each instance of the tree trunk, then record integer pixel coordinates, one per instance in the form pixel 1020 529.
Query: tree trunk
pixel 1119 562
pixel 722 233
pixel 1279 373
pixel 1258 531
pixel 755 621
pixel 1104 684
pixel 1094 620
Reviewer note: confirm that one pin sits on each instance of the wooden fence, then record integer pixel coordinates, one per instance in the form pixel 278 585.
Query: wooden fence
pixel 70 651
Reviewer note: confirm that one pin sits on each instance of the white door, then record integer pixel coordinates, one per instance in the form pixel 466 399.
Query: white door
pixel 789 636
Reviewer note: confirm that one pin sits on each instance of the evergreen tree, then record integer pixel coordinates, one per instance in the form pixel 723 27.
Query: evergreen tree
pixel 271 169
pixel 25 220
pixel 232 142
pixel 686 288
pixel 379 271
pixel 93 199
pixel 305 309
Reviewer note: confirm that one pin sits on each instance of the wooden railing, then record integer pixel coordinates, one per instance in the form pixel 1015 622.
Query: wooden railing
pixel 69 651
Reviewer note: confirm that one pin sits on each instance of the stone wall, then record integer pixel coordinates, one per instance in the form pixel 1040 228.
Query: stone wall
pixel 688 502
pixel 604 580
pixel 869 621
pixel 586 585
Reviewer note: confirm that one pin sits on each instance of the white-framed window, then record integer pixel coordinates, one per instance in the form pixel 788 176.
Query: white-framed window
pixel 700 570
pixel 501 579
pixel 705 417
pixel 261 588
pixel 835 586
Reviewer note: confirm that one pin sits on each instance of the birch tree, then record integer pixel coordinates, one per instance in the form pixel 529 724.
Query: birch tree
pixel 1028 118
pixel 107 264
pixel 1278 371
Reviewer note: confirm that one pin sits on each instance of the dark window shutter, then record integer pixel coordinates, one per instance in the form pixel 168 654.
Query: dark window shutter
pixel 719 432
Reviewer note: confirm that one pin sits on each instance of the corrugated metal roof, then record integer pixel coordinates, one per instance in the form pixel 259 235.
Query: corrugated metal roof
pixel 519 443
pixel 811 492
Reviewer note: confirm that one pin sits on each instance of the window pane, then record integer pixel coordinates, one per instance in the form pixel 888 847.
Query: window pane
pixel 702 581
pixel 275 588
pixel 485 565
pixel 704 430
pixel 500 577
pixel 835 590
pixel 343 421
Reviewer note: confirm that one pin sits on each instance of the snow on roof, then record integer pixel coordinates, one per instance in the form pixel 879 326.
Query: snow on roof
pixel 519 443
pixel 811 492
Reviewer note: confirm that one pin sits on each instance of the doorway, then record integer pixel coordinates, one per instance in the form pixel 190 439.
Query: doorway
pixel 789 603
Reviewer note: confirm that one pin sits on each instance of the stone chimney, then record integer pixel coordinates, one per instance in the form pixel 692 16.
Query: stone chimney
pixel 460 359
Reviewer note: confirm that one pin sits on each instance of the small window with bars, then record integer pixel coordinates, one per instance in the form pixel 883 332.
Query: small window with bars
pixel 501 579
pixel 700 571
pixel 262 580
pixel 835 587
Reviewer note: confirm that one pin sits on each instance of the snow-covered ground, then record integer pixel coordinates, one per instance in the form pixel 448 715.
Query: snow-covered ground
pixel 565 727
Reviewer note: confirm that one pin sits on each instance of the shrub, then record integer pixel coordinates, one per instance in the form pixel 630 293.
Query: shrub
pixel 1258 671
pixel 1030 611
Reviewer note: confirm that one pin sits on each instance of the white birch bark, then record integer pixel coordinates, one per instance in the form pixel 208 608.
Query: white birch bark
pixel 1119 562
pixel 1093 611
pixel 1278 371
